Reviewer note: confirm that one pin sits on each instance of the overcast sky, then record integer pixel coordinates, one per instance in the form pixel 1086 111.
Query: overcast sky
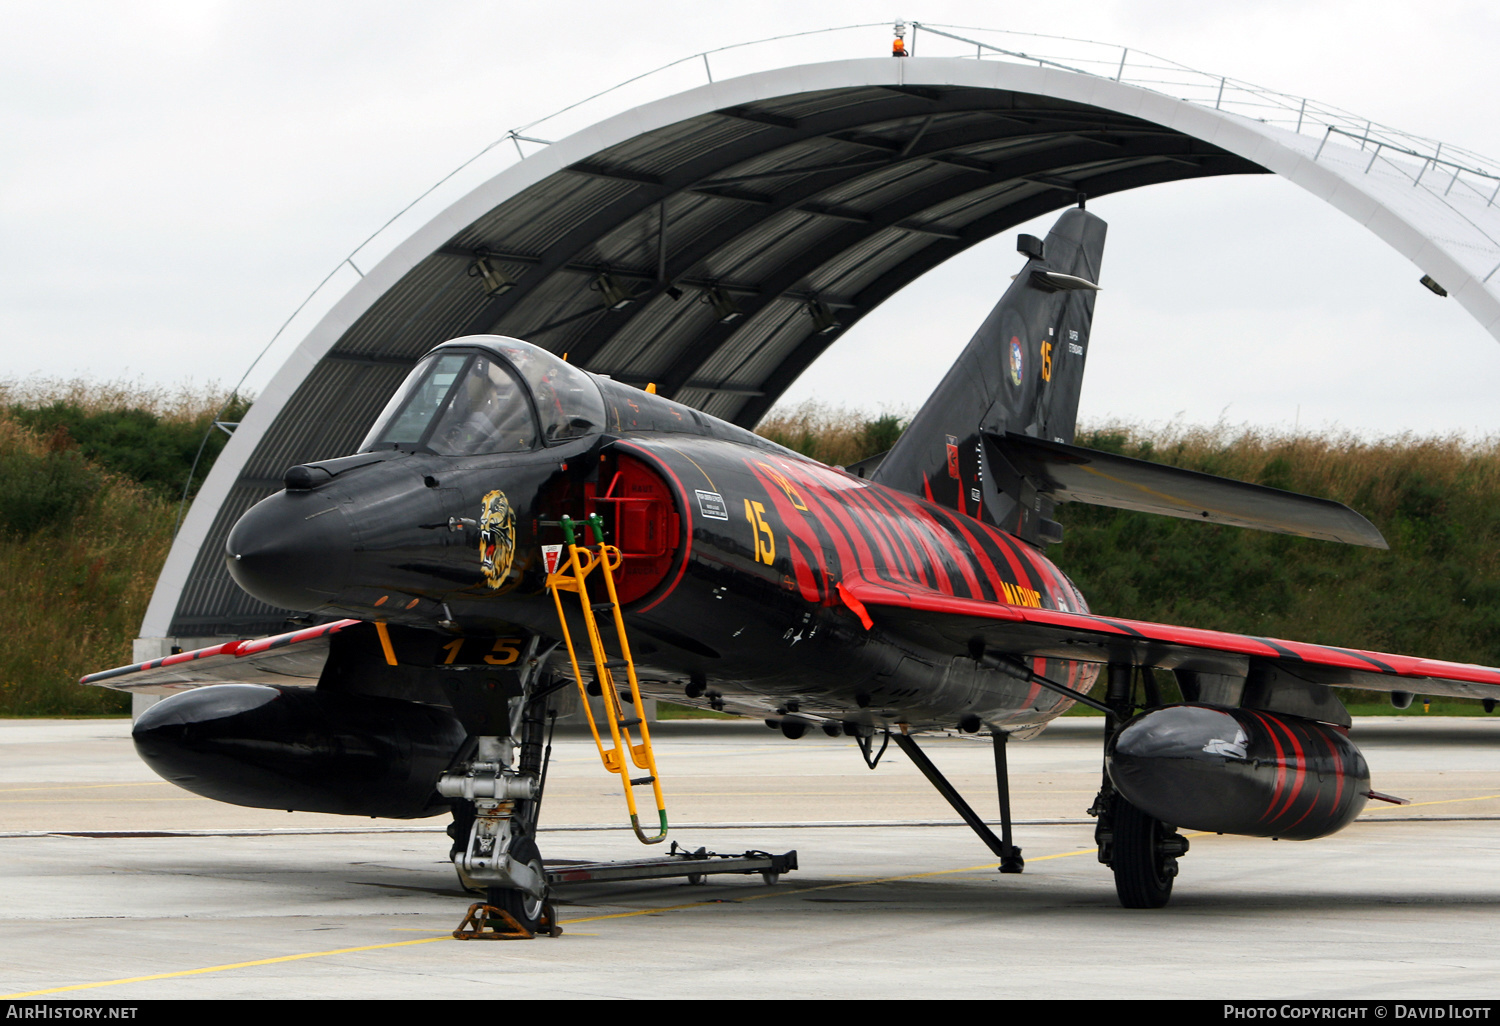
pixel 175 177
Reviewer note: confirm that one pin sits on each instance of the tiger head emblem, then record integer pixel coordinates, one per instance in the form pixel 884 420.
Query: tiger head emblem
pixel 497 538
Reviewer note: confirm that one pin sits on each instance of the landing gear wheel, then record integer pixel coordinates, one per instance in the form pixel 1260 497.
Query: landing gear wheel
pixel 1144 857
pixel 526 909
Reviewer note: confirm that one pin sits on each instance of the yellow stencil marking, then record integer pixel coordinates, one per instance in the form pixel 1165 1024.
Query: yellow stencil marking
pixel 385 643
pixel 786 486
pixel 711 485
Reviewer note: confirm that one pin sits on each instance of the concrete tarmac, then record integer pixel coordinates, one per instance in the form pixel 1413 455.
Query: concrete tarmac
pixel 118 886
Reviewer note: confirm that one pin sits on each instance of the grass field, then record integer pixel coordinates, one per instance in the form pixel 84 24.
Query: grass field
pixel 89 478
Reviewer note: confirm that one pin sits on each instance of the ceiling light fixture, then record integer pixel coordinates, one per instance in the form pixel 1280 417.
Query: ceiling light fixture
pixel 725 308
pixel 496 282
pixel 615 296
pixel 824 322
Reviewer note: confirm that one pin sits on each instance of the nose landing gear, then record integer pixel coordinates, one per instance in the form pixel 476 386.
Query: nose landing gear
pixel 511 914
pixel 496 788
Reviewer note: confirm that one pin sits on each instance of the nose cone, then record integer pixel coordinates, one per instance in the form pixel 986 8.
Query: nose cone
pixel 292 551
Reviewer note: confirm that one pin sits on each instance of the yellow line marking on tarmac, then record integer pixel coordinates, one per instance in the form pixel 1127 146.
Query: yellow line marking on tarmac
pixel 871 793
pixel 84 787
pixel 447 935
pixel 221 968
pixel 786 794
pixel 414 929
pixel 1445 801
pixel 94 801
pixel 832 887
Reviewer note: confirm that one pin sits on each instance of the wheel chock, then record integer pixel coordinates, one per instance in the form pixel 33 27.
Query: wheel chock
pixel 486 922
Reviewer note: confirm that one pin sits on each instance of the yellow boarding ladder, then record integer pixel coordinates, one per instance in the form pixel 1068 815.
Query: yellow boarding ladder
pixel 573 576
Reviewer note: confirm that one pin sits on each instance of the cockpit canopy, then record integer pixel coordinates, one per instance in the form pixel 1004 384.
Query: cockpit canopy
pixel 487 394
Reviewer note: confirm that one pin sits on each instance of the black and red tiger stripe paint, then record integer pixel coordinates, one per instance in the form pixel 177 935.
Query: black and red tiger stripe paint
pixel 776 574
pixel 1240 771
pixel 792 556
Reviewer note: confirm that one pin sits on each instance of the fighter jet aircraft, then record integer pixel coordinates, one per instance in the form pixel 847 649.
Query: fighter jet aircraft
pixel 514 525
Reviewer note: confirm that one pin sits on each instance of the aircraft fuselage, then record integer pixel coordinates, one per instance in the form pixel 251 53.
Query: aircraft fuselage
pixel 733 552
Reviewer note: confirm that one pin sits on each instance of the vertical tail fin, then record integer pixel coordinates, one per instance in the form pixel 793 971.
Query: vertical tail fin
pixel 1021 373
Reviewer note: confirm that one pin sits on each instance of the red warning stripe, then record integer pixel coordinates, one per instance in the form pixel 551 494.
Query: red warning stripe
pixel 1332 762
pixel 1280 764
pixel 1300 761
pixel 238 649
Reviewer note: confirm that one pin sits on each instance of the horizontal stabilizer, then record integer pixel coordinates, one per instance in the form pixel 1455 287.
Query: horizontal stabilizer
pixel 1071 473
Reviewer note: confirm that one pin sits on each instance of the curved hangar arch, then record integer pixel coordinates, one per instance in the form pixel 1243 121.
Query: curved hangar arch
pixel 717 241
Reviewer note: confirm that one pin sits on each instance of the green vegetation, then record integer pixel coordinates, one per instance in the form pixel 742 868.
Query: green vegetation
pixel 90 476
pixel 149 435
pixel 44 487
pixel 832 435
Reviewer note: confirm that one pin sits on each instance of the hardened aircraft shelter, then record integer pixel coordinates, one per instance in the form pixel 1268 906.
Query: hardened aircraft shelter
pixel 718 240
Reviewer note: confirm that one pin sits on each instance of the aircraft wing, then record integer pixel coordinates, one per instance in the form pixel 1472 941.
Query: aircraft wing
pixel 958 624
pixel 294 659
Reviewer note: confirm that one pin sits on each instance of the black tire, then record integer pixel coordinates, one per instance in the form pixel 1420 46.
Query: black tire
pixel 458 830
pixel 523 908
pixel 1143 875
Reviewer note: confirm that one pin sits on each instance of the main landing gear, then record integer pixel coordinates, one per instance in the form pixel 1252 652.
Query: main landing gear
pixel 1141 850
pixel 1002 846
